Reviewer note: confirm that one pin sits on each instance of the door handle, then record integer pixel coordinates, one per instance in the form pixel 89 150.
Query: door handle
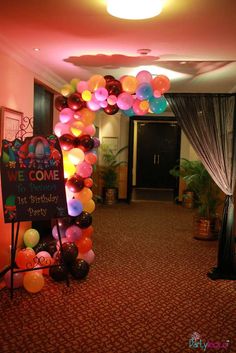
pixel 158 159
pixel 154 159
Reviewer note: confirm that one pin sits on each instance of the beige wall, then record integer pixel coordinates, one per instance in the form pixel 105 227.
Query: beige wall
pixel 16 92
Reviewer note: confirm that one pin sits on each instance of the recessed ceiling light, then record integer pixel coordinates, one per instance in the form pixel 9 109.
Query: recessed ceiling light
pixel 183 62
pixel 144 51
pixel 36 49
pixel 134 9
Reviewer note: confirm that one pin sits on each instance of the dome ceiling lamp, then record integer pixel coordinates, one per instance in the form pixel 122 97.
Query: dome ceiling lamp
pixel 134 9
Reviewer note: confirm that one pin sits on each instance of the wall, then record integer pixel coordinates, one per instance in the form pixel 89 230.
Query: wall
pixel 16 92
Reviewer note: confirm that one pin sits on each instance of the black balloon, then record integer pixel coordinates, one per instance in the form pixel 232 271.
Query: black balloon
pixel 58 273
pixel 75 183
pixel 109 78
pixel 42 246
pixel 86 143
pixel 52 247
pixel 69 252
pixel 111 109
pixel 84 220
pixel 61 103
pixel 114 87
pixel 66 142
pixel 79 269
pixel 75 101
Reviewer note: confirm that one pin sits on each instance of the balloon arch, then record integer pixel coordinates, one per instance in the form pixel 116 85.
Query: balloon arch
pixel 78 104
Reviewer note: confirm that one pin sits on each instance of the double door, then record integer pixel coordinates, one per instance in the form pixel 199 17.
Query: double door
pixel 157 152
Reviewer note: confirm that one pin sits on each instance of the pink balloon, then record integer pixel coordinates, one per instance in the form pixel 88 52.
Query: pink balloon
pixel 136 107
pixel 144 76
pixel 88 256
pixel 101 94
pixel 89 130
pixel 17 279
pixel 44 258
pixel 66 115
pixel 84 169
pixel 103 104
pixel 73 233
pixel 93 104
pixel 112 99
pixel 82 86
pixel 61 129
pixel 125 101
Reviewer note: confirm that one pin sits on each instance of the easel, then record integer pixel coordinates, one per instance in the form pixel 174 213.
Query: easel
pixel 14 241
pixel 25 125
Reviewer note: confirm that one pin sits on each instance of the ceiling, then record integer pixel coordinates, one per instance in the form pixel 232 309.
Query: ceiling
pixel 193 42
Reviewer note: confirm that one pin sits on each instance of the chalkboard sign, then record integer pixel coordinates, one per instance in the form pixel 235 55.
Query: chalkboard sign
pixel 32 178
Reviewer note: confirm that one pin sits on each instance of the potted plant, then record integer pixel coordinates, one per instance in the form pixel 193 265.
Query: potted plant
pixel 109 173
pixel 183 170
pixel 206 198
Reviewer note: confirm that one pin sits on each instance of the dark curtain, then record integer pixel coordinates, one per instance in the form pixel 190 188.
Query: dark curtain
pixel 209 122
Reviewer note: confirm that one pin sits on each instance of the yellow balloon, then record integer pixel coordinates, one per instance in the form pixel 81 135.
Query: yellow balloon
pixel 86 95
pixel 89 206
pixel 77 128
pixel 67 90
pixel 33 282
pixel 74 82
pixel 144 105
pixel 69 168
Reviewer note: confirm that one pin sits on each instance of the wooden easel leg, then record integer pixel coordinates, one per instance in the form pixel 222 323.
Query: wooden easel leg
pixel 62 254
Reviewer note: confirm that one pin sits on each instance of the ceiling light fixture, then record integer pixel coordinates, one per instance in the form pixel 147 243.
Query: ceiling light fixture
pixel 134 9
pixel 36 49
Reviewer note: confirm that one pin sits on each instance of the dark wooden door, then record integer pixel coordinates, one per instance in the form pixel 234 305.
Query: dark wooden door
pixel 157 152
pixel 43 125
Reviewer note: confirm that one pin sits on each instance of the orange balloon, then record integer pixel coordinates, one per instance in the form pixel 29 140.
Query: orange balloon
pixel 161 83
pixel 89 206
pixel 87 116
pixel 33 281
pixel 25 258
pixel 84 245
pixel 84 195
pixel 95 82
pixel 87 232
pixel 129 84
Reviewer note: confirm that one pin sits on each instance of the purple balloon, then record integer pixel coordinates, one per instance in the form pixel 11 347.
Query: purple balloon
pixel 96 142
pixel 55 232
pixel 75 207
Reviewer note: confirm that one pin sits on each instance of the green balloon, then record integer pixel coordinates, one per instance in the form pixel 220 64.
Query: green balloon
pixel 31 237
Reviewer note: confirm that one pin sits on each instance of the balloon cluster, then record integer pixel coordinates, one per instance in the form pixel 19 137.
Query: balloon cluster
pixel 134 95
pixel 37 254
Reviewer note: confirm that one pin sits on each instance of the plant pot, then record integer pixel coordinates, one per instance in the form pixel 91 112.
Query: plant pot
pixel 188 199
pixel 110 195
pixel 206 228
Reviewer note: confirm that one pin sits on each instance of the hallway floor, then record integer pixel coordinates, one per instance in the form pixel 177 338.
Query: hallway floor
pixel 147 292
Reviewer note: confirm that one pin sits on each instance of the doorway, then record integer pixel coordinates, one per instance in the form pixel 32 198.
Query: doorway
pixel 154 148
pixel 43 125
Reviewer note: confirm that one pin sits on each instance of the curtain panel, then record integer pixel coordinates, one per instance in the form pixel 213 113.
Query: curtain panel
pixel 209 122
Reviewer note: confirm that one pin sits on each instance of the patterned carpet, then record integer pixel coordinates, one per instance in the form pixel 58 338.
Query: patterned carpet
pixel 147 292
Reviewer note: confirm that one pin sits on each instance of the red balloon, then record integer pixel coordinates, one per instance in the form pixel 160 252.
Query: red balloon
pixel 75 101
pixel 61 103
pixel 114 87
pixel 88 182
pixel 111 109
pixel 67 142
pixel 75 183
pixel 86 143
